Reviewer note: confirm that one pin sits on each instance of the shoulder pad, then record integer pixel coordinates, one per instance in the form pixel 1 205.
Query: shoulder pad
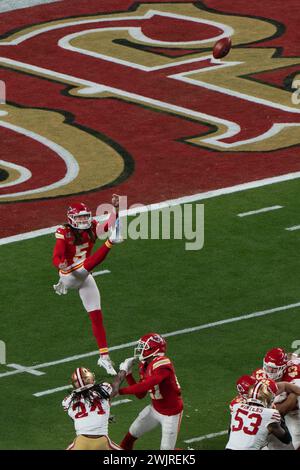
pixel 161 361
pixel 60 233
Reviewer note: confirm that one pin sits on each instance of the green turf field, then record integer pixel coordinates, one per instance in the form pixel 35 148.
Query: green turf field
pixel 247 265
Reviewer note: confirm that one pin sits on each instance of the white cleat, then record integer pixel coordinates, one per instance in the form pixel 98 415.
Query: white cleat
pixel 106 363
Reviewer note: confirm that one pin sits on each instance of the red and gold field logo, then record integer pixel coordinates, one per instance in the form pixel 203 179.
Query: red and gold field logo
pixel 110 98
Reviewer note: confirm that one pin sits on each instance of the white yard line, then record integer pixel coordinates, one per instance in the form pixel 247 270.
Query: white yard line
pixel 207 436
pixel 259 211
pixel 168 203
pixel 173 333
pixel 120 402
pixel 68 387
pixel 100 273
pixel 294 227
pixel 53 390
pixel 25 369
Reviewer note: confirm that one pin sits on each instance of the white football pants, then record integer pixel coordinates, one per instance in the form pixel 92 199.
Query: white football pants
pixel 149 418
pixel 83 281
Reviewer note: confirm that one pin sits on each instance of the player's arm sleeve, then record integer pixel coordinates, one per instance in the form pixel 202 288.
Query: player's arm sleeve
pixel 280 431
pixel 145 385
pixel 131 381
pixel 59 252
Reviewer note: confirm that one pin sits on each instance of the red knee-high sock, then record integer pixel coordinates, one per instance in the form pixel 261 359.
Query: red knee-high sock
pixel 128 442
pixel 99 331
pixel 92 261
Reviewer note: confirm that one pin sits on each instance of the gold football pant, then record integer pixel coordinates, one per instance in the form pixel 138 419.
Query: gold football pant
pixel 90 443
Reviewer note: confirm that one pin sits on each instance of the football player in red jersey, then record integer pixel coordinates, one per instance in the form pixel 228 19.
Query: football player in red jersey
pixel 157 376
pixel 72 257
pixel 243 384
pixel 274 363
pixel 284 368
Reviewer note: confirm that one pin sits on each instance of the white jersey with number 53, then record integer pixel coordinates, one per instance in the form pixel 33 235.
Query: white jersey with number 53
pixel 249 426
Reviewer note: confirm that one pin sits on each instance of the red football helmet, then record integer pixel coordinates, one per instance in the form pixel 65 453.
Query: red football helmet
pixel 150 345
pixel 263 393
pixel 244 383
pixel 79 216
pixel 275 362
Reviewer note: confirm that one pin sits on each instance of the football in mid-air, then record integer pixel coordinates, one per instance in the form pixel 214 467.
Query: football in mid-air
pixel 221 48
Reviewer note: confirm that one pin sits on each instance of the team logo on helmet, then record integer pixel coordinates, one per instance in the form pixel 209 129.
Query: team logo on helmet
pixel 149 345
pixel 82 379
pixel 79 216
pixel 244 383
pixel 262 393
pixel 275 362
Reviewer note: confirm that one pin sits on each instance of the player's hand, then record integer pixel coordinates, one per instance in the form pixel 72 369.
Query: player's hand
pixel 127 365
pixel 63 265
pixel 115 200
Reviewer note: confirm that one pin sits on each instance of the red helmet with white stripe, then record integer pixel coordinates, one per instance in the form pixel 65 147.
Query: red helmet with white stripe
pixel 263 393
pixel 275 362
pixel 149 345
pixel 79 216
pixel 82 379
pixel 244 383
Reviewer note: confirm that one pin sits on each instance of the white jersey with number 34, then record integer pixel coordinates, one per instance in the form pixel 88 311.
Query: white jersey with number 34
pixel 249 426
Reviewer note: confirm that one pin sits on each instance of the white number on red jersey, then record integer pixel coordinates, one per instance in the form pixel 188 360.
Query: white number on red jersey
pixel 81 252
pixel 156 395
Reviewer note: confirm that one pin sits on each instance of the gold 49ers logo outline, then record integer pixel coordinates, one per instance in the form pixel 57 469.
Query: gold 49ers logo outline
pixel 123 44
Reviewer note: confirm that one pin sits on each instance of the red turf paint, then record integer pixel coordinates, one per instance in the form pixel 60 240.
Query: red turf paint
pixel 165 166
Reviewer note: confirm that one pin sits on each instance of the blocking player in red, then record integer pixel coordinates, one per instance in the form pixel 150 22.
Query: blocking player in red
pixel 285 367
pixel 72 257
pixel 157 376
pixel 243 385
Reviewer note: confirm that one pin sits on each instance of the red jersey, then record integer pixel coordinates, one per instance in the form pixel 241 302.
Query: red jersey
pixel 292 372
pixel 159 379
pixel 237 400
pixel 259 374
pixel 65 248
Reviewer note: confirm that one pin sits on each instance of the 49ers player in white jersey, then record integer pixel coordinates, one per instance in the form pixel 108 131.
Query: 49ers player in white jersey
pixel 72 257
pixel 89 407
pixel 157 376
pixel 253 421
